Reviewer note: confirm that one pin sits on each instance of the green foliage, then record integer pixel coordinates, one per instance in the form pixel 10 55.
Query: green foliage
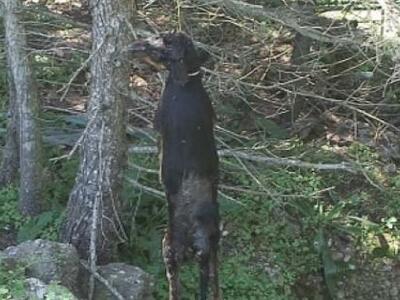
pixel 271 129
pixel 145 216
pixel 238 280
pixel 332 270
pixel 50 69
pixel 61 174
pixel 241 280
pixel 252 231
pixel 9 213
pixel 44 226
pixel 362 153
pixel 56 292
pixel 11 281
pixel 277 230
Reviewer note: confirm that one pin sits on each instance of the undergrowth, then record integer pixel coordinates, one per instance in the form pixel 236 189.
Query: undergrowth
pixel 60 177
pixel 278 222
pixel 12 285
pixel 276 229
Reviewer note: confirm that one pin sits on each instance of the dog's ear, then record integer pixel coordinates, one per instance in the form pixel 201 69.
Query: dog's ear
pixel 179 72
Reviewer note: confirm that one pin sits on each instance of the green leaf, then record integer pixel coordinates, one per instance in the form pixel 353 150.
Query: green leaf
pixel 34 227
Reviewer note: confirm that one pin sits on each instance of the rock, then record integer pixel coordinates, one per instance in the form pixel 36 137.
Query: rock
pixel 38 290
pixel 372 280
pixel 48 261
pixel 130 281
pixel 35 288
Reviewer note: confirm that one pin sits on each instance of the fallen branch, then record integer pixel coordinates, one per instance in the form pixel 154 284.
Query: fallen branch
pixel 104 281
pixel 298 22
pixel 60 109
pixel 343 166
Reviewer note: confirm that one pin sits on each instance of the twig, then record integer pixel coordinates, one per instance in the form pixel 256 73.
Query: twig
pixel 104 281
pixel 143 169
pixel 67 86
pixel 316 194
pixel 150 190
pixel 38 9
pixel 280 15
pixel 250 173
pixel 343 166
pixel 78 142
pixel 143 149
pixel 63 110
pixel 344 104
pixel 222 194
pixel 370 181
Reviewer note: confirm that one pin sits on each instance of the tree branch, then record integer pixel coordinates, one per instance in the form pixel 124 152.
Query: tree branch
pixel 104 281
pixel 298 22
pixel 343 166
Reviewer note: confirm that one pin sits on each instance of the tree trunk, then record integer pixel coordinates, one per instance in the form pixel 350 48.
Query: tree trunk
pixel 28 110
pixel 96 193
pixel 10 160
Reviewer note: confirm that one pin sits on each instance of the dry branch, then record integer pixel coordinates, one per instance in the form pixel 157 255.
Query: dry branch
pixel 145 188
pixel 104 281
pixel 67 86
pixel 343 166
pixel 43 11
pixel 298 22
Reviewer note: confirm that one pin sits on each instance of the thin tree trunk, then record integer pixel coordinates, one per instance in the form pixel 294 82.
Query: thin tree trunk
pixel 28 110
pixel 10 160
pixel 103 154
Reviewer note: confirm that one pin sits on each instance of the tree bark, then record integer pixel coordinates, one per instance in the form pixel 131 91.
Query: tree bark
pixel 96 194
pixel 10 160
pixel 28 110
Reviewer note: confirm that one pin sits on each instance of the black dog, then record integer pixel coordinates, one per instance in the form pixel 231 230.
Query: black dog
pixel 189 163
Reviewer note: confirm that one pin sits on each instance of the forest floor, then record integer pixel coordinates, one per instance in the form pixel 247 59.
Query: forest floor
pixel 299 229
